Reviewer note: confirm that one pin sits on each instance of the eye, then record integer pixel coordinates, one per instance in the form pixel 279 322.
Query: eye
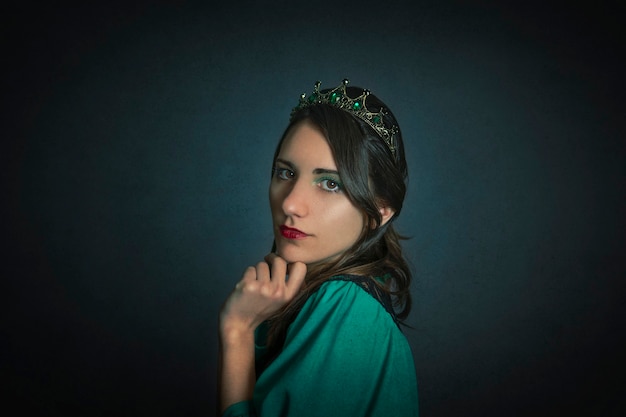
pixel 283 173
pixel 329 184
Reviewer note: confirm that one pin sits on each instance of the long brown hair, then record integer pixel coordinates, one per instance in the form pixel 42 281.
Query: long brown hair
pixel 373 176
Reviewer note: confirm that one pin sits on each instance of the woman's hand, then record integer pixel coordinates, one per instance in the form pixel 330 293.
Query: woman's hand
pixel 262 291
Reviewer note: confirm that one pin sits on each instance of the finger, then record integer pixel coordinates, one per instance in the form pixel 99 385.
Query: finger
pixel 249 274
pixel 297 272
pixel 279 268
pixel 270 257
pixel 262 271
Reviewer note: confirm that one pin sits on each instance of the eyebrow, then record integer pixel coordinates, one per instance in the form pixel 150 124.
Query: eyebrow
pixel 315 171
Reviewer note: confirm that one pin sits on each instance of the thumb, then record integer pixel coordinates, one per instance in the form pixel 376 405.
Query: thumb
pixel 297 272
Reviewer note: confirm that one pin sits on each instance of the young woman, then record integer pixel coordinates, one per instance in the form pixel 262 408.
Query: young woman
pixel 313 330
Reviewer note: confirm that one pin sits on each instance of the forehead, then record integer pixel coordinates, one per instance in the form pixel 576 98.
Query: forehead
pixel 306 145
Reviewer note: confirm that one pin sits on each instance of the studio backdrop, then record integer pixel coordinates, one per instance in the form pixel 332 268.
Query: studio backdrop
pixel 140 142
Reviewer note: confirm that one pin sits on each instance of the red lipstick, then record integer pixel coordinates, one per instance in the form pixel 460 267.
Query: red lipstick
pixel 291 233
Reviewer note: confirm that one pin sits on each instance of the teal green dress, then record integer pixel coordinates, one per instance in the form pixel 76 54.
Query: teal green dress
pixel 344 355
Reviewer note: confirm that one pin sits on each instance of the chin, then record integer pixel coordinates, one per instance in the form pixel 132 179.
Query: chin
pixel 289 256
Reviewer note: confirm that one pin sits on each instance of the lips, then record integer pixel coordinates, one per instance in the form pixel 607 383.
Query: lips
pixel 291 233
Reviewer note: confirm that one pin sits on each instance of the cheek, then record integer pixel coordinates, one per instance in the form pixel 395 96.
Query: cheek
pixel 349 222
pixel 274 196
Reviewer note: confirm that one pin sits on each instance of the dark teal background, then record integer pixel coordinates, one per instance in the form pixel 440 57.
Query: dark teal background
pixel 137 142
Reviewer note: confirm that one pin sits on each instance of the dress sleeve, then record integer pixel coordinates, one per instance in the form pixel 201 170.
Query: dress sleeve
pixel 240 409
pixel 343 356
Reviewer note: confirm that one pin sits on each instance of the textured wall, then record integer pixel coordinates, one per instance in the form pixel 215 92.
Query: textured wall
pixel 139 142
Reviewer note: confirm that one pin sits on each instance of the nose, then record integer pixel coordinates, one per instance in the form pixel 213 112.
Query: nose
pixel 296 199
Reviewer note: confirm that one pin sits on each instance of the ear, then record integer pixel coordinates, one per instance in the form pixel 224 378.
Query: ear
pixel 386 213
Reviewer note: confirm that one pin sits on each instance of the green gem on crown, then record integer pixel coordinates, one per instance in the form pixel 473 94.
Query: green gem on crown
pixel 334 97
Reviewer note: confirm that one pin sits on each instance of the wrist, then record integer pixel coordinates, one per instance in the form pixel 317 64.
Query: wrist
pixel 234 334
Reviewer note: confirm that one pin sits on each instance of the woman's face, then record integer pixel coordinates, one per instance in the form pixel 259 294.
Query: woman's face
pixel 314 221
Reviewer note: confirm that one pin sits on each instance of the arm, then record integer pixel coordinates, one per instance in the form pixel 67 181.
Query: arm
pixel 259 294
pixel 237 367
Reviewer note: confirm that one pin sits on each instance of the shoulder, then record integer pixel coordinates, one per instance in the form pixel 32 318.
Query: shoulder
pixel 344 288
pixel 344 304
pixel 339 292
pixel 341 320
pixel 372 286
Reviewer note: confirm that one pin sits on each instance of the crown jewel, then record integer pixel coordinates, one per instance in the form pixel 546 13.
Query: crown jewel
pixel 338 97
